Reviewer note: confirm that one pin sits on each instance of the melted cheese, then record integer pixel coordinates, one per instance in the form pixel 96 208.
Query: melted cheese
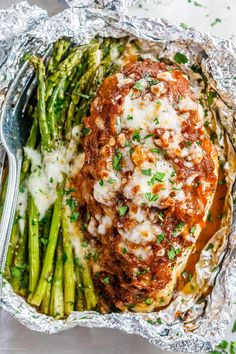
pixel 140 185
pixel 105 190
pixel 21 208
pixel 148 115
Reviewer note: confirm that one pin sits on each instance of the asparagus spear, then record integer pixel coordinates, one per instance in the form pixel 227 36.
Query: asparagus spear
pixel 11 249
pixel 46 273
pixel 41 106
pixel 45 304
pixel 102 71
pixel 59 50
pixel 20 257
pixel 69 274
pixel 34 261
pixel 93 62
pixel 64 68
pixel 50 110
pixel 79 286
pixel 78 236
pixel 56 302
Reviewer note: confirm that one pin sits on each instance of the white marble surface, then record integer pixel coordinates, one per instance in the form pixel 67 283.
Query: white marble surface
pixel 15 338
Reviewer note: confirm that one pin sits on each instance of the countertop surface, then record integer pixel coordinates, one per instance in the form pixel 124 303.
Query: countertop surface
pixel 215 16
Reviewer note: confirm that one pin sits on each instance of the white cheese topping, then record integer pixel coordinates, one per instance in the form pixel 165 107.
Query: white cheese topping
pixel 49 170
pixel 141 233
pixel 144 180
pixel 21 208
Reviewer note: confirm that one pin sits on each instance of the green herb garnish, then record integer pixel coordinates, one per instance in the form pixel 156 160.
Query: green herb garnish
pixel 180 58
pixel 122 210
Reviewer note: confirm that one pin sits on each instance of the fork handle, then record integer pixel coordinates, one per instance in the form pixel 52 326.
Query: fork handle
pixel 9 211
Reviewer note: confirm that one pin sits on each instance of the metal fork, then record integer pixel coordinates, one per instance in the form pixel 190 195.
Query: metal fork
pixel 13 135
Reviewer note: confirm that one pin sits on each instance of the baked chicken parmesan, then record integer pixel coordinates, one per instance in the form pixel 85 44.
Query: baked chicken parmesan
pixel 147 182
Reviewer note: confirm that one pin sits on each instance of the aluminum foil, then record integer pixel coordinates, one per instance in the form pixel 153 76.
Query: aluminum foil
pixel 33 31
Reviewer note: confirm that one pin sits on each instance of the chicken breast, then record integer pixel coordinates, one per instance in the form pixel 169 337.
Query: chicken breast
pixel 147 183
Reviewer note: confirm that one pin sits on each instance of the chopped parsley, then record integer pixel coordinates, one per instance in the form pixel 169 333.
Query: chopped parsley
pixel 147 172
pixel 124 250
pixel 85 131
pixel 192 230
pixel 22 188
pixel 74 216
pixel 44 241
pixel 116 163
pixel 197 4
pixel 106 280
pixel 141 271
pixel 221 182
pixel 180 58
pixel 130 117
pixel 158 102
pixel 71 203
pixel 15 272
pixel 209 216
pixel 210 98
pixel 138 85
pixel 183 25
pixel 151 81
pixel 160 238
pixel 234 327
pixel 122 210
pixel 157 177
pixel 148 136
pixel 136 136
pixel 173 252
pixel 101 183
pixel 148 301
pixel 209 247
pixel 151 197
pixel 178 228
pixel 127 143
pixel 111 180
pixel 217 20
pixel 157 151
pixel 156 121
pixel 188 143
pixel 159 321
pixel 69 191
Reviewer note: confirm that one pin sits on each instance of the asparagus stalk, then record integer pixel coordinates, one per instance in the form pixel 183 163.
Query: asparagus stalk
pixel 41 106
pixel 45 304
pixel 56 302
pixel 31 142
pixel 102 71
pixel 60 48
pixel 69 272
pixel 50 110
pixel 11 249
pixel 79 286
pixel 34 260
pixel 65 67
pixel 93 62
pixel 46 273
pixel 20 257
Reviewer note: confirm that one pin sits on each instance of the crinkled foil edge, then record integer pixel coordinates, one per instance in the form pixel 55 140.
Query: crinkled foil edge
pixel 34 30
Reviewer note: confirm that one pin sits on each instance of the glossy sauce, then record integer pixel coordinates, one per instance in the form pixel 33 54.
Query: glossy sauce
pixel 212 224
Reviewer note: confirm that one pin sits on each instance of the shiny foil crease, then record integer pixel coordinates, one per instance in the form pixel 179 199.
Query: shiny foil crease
pixel 27 29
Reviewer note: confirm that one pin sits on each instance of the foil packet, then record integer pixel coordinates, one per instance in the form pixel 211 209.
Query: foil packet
pixel 27 29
